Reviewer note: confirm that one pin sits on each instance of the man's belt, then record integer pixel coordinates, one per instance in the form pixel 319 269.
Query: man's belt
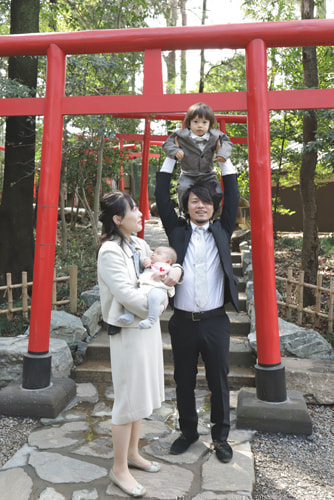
pixel 198 316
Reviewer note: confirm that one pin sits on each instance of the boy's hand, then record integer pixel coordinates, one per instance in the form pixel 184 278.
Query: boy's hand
pixel 180 154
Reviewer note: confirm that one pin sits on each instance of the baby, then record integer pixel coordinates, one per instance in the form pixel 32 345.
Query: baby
pixel 151 281
pixel 195 146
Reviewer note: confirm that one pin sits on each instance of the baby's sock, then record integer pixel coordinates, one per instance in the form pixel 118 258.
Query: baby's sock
pixel 146 323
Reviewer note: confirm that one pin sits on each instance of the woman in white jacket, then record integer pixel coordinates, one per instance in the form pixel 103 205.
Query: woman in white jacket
pixel 136 354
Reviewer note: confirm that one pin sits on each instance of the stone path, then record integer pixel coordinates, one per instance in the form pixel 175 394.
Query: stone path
pixel 69 458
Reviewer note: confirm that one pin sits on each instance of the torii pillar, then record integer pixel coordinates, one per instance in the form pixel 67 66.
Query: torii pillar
pixel 41 396
pixel 271 408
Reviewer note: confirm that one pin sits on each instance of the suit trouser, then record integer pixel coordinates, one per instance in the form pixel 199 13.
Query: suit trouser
pixel 210 338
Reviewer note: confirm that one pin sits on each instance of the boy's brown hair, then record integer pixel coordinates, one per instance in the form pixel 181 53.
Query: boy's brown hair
pixel 201 110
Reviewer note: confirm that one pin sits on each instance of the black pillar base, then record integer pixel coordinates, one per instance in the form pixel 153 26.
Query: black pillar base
pixel 41 403
pixel 36 371
pixel 270 383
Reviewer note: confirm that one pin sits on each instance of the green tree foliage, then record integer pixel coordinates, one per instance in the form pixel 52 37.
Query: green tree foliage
pixel 100 74
pixel 285 71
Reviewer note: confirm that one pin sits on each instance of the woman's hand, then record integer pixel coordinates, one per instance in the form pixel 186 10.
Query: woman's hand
pixel 173 277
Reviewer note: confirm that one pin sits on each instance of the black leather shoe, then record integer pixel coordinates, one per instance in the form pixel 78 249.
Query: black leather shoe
pixel 224 451
pixel 181 444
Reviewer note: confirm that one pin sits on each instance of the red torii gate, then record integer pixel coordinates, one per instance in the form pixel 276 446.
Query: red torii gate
pixel 255 38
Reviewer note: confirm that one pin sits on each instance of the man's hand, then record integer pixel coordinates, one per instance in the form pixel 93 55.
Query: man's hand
pixel 173 277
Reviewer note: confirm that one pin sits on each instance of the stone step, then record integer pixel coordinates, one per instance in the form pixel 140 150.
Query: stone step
pixel 98 372
pixel 95 371
pixel 241 284
pixel 240 323
pixel 240 355
pixel 242 303
pixel 96 367
pixel 236 257
pixel 98 348
pixel 238 377
pixel 237 269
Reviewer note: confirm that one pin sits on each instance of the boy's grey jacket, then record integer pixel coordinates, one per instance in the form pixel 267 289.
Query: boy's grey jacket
pixel 196 161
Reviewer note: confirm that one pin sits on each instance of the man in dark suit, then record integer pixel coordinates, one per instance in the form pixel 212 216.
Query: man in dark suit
pixel 199 323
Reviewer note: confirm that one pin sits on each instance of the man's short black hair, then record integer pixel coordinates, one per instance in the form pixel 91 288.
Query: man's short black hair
pixel 205 192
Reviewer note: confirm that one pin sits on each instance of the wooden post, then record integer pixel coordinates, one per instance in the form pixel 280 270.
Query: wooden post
pixel 73 289
pixel 54 291
pixel 289 291
pixel 10 296
pixel 25 308
pixel 316 321
pixel 331 307
pixel 300 298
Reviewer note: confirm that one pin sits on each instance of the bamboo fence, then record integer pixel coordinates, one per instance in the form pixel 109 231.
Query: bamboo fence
pixel 293 295
pixel 292 300
pixel 27 285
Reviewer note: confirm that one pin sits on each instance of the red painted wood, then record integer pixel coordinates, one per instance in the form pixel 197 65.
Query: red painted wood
pixel 143 196
pixel 268 345
pixel 47 209
pixel 234 36
pixel 153 73
pixel 86 105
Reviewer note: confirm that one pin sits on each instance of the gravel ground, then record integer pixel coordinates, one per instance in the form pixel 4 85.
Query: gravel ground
pixel 288 467
pixel 297 467
pixel 14 434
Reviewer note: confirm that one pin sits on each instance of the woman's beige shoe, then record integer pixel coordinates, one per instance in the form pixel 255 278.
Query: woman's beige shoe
pixel 153 467
pixel 137 492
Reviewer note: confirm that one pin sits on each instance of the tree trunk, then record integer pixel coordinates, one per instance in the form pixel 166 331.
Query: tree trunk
pixel 307 171
pixel 183 52
pixel 170 58
pixel 202 63
pixel 98 180
pixel 62 194
pixel 16 211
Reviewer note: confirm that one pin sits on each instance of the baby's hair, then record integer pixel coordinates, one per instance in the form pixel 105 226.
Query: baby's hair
pixel 200 110
pixel 172 254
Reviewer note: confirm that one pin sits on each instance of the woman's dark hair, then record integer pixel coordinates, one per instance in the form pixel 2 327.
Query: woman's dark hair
pixel 114 203
pixel 200 110
pixel 205 193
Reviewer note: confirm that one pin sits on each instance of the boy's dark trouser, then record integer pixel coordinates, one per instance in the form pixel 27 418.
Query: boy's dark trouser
pixel 211 338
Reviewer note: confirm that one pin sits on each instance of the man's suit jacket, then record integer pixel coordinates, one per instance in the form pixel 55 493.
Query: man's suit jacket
pixel 179 230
